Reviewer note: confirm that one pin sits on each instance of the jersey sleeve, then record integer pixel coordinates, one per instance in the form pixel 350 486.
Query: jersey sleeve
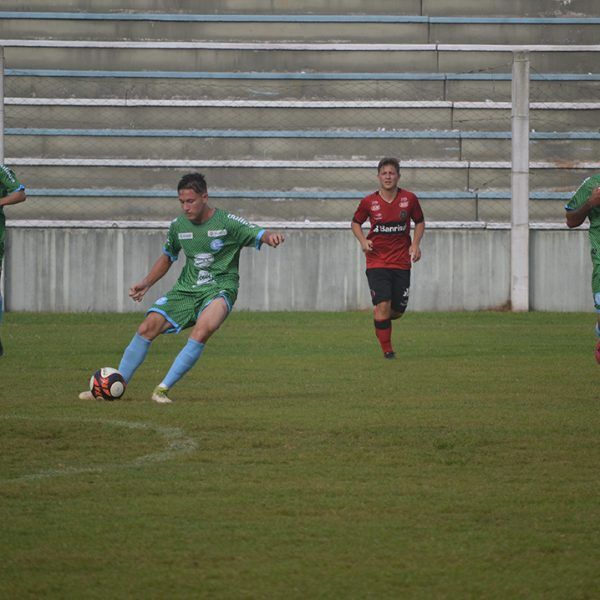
pixel 172 246
pixel 9 181
pixel 361 214
pixel 417 212
pixel 582 194
pixel 244 232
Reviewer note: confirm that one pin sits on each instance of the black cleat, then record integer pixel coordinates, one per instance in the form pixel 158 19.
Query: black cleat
pixel 389 355
pixel 1 349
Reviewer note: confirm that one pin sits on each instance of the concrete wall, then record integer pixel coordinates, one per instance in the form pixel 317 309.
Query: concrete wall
pixel 463 268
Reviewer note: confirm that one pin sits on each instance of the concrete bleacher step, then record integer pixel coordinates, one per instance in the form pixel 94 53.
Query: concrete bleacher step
pixel 290 175
pixel 256 57
pixel 228 145
pixel 227 6
pixel 277 27
pixel 139 208
pixel 476 86
pixel 305 206
pixel 517 8
pixel 286 115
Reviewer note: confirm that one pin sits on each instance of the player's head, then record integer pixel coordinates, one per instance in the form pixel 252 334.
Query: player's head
pixel 389 162
pixel 193 181
pixel 388 173
pixel 193 197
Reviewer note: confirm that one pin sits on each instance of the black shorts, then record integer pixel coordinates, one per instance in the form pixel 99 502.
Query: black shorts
pixel 390 284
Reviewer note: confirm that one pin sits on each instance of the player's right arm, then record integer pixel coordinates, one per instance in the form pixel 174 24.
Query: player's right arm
pixel 158 271
pixel 365 244
pixel 361 214
pixel 577 216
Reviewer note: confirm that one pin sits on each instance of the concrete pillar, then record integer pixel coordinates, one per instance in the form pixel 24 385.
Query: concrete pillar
pixel 519 243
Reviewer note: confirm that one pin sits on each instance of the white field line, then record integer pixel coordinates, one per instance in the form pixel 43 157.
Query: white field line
pixel 176 444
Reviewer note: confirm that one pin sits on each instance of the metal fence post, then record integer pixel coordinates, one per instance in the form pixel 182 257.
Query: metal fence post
pixel 519 238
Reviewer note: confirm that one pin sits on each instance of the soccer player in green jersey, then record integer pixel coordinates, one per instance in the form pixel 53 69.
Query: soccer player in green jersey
pixel 585 203
pixel 11 192
pixel 206 289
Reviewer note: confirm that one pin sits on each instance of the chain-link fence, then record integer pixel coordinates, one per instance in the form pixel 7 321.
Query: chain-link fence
pixel 112 145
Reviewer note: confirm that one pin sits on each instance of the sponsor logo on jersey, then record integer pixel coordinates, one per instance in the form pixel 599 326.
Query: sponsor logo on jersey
pixel 403 202
pixel 188 235
pixel 375 206
pixel 389 228
pixel 216 245
pixel 203 260
pixel 217 233
pixel 204 278
pixel 162 300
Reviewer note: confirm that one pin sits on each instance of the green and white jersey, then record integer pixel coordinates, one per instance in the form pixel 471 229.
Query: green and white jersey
pixel 212 249
pixel 580 197
pixel 8 184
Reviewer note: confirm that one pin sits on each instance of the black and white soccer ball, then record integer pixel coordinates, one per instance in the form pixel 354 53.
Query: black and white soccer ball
pixel 107 384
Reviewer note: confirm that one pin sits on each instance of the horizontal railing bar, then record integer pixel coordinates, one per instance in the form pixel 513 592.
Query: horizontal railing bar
pixel 299 133
pixel 272 75
pixel 228 103
pixel 297 46
pixel 292 18
pixel 107 224
pixel 288 164
pixel 290 195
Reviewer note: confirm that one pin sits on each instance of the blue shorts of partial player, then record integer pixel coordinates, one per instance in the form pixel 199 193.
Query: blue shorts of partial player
pixel 182 309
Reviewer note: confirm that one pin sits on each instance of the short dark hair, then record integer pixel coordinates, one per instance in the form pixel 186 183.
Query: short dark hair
pixel 193 181
pixel 384 162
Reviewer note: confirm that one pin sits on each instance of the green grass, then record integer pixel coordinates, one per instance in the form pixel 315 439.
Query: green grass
pixel 297 463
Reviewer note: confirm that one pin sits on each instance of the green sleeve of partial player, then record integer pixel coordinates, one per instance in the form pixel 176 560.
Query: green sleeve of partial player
pixel 245 233
pixel 8 181
pixel 172 246
pixel 581 196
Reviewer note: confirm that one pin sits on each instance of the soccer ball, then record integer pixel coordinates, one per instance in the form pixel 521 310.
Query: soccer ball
pixel 107 384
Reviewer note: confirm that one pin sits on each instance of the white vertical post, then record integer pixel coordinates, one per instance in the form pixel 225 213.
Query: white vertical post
pixel 519 238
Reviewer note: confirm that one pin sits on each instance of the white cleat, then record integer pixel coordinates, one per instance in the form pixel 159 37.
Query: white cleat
pixel 87 395
pixel 160 395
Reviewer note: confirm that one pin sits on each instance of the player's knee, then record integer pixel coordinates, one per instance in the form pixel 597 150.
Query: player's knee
pixel 382 310
pixel 152 326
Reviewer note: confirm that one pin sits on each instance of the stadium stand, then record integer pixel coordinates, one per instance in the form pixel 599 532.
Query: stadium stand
pixel 288 110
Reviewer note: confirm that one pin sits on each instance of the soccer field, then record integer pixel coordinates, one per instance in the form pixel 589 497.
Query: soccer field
pixel 296 462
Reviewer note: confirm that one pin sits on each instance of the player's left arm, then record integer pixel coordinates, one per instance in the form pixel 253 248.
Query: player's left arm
pixel 415 247
pixel 272 238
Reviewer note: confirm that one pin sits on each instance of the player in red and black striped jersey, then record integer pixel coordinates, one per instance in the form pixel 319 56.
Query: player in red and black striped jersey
pixel 388 247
